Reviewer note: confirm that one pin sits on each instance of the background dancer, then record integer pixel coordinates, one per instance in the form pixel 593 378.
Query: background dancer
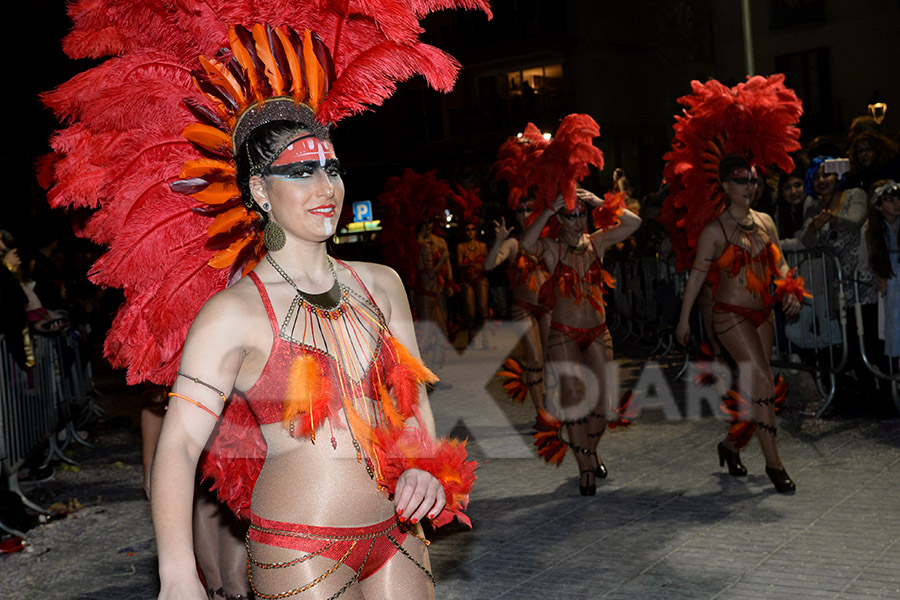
pixel 578 342
pixel 527 273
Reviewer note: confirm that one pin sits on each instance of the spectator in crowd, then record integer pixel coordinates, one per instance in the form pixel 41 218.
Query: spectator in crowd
pixel 880 250
pixel 836 224
pixel 792 205
pixel 13 324
pixel 872 157
pixel 43 321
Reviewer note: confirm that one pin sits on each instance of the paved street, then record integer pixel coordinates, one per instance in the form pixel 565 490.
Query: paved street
pixel 668 522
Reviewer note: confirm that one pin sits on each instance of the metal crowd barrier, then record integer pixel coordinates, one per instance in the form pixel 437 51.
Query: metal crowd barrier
pixel 646 302
pixel 42 408
pixel 815 342
pixel 892 376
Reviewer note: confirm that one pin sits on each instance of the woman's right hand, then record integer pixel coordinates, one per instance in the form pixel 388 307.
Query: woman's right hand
pixel 683 332
pixel 11 260
pixel 558 203
pixel 820 220
pixel 501 230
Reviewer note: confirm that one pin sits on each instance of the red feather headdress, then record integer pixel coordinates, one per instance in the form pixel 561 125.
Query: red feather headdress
pixel 756 119
pixel 150 135
pixel 468 202
pixel 516 158
pixel 565 161
pixel 410 199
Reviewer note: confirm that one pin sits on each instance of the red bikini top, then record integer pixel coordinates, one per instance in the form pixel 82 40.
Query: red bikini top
pixel 757 268
pixel 580 285
pixel 302 385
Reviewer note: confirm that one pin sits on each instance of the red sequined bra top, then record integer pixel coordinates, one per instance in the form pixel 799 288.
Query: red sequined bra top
pixel 355 365
pixel 757 269
pixel 583 284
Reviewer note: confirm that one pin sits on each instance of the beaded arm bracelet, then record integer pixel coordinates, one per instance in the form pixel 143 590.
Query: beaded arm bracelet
pixel 412 448
pixel 790 285
pixel 194 402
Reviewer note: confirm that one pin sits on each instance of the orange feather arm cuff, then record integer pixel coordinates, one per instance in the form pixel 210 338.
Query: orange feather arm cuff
pixel 790 285
pixel 412 448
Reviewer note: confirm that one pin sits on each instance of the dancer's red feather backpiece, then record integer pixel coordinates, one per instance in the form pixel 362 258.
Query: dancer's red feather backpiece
pixel 756 119
pixel 156 114
pixel 516 158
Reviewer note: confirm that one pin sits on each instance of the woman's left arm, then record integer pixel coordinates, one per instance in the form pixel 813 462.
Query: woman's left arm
pixel 628 224
pixel 790 303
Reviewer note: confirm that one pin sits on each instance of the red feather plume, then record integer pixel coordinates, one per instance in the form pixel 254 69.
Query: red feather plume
pixel 516 158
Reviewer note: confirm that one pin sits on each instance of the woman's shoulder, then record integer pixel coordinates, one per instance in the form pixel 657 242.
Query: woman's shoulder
pixel 231 316
pixel 235 300
pixel 374 276
pixel 855 194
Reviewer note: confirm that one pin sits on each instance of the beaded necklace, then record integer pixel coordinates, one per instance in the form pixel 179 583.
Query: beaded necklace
pixel 348 329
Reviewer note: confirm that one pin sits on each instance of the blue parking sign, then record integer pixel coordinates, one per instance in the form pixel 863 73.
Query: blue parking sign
pixel 362 211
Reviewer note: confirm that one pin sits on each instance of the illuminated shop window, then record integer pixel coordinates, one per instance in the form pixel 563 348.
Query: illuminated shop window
pixel 539 80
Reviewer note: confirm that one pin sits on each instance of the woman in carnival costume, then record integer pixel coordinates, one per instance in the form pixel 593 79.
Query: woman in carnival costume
pixel 579 347
pixel 724 137
pixel 204 145
pixel 527 273
pixel 470 264
pixel 415 202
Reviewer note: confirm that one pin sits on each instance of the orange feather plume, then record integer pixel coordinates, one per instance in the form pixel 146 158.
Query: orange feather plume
pixel 304 396
pixel 209 138
pixel 391 415
pixel 265 53
pixel 315 74
pixel 298 82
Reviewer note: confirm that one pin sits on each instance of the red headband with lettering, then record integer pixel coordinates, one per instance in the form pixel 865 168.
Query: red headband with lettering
pixel 304 149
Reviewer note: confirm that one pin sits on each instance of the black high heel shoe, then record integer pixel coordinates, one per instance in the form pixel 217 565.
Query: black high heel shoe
pixel 589 489
pixel 735 467
pixel 600 470
pixel 781 480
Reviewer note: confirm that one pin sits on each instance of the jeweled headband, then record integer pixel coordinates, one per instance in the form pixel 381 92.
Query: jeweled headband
pixel 282 108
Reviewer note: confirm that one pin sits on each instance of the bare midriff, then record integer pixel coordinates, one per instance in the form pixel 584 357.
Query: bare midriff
pixel 316 484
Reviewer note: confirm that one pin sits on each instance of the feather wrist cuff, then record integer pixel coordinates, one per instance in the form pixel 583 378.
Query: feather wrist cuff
pixel 791 286
pixel 411 448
